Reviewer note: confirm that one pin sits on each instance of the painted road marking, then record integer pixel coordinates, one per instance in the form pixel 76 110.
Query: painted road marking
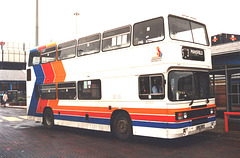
pixel 23 117
pixel 11 119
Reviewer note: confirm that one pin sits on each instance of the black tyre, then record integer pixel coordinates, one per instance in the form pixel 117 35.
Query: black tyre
pixel 48 118
pixel 122 126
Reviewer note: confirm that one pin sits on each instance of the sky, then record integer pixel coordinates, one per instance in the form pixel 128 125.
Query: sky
pixel 57 22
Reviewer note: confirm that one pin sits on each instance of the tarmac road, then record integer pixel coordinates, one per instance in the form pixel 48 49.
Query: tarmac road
pixel 23 138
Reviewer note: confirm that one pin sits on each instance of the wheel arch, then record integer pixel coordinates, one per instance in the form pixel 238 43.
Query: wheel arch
pixel 47 107
pixel 115 113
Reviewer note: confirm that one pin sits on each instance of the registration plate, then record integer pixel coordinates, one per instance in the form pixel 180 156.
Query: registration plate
pixel 200 127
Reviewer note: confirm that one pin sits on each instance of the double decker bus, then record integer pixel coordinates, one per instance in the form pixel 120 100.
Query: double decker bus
pixel 148 79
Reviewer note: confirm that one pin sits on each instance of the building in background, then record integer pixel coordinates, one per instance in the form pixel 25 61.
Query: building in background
pixel 13 56
pixel 226 71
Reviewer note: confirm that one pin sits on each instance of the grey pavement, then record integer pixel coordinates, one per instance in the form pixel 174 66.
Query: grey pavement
pixel 23 138
pixel 218 131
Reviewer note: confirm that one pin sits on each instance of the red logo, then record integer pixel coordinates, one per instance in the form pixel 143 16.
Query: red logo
pixel 159 53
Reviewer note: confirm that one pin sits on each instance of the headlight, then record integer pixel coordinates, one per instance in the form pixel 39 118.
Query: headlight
pixel 185 115
pixel 213 111
pixel 181 115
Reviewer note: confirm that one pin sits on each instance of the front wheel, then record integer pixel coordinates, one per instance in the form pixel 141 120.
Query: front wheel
pixel 48 118
pixel 122 126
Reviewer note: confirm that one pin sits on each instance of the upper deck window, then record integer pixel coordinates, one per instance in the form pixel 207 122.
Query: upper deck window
pixel 89 45
pixel 34 58
pixel 67 50
pixel 148 31
pixel 48 55
pixel 187 30
pixel 116 38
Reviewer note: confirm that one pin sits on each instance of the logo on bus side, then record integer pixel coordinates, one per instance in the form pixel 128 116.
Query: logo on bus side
pixel 158 57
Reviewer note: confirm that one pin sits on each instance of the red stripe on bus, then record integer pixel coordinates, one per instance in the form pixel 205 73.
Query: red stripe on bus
pixel 48 72
pixel 130 110
pixel 152 117
pixel 41 105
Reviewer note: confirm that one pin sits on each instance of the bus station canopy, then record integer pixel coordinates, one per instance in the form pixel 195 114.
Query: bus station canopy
pixel 226 54
pixel 12 75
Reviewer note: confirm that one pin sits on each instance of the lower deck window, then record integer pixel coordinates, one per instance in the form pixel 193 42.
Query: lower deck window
pixel 90 89
pixel 151 87
pixel 67 90
pixel 48 91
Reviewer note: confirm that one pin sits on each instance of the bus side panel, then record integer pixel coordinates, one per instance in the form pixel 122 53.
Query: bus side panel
pixel 49 77
pixel 150 132
pixel 85 125
pixel 39 80
pixel 41 105
pixel 94 118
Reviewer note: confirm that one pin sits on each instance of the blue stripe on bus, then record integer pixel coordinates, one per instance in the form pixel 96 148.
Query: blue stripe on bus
pixel 210 119
pixel 135 123
pixel 38 114
pixel 149 124
pixel 161 124
pixel 39 74
pixel 39 80
pixel 33 50
pixel 83 119
pixel 180 125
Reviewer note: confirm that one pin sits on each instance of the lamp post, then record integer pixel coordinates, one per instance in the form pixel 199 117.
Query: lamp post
pixel 76 14
pixel 36 44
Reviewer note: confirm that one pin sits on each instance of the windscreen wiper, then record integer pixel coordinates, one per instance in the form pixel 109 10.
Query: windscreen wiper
pixel 207 100
pixel 191 103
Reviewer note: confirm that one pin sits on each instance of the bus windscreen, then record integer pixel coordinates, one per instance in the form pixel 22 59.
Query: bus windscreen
pixel 187 30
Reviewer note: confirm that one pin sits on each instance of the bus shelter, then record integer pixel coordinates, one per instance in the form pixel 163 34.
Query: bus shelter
pixel 226 75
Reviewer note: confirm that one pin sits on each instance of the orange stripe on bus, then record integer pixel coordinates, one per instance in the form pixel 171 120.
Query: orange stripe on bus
pixel 59 71
pixel 129 110
pixel 172 111
pixel 53 104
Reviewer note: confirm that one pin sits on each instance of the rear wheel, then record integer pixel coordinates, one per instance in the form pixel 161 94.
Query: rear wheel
pixel 122 126
pixel 48 118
